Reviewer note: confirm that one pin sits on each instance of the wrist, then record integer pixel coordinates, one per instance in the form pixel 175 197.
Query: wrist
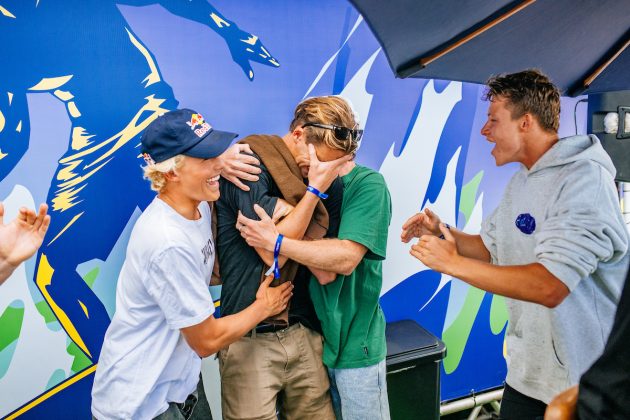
pixel 261 309
pixel 457 266
pixel 313 189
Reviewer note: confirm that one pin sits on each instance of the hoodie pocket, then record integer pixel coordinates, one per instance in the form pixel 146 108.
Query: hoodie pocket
pixel 555 354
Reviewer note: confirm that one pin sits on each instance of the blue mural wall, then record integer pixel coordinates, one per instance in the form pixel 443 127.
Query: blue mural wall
pixel 80 80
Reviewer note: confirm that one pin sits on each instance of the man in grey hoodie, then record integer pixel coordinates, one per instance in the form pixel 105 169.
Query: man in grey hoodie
pixel 556 246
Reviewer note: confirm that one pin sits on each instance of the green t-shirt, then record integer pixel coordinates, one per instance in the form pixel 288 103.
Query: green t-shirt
pixel 352 319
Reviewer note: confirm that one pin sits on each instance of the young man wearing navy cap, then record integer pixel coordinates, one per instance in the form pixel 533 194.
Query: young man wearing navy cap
pixel 151 359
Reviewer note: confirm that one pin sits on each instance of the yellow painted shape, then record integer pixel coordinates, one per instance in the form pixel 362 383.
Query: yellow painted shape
pixel 265 51
pixel 251 74
pixel 251 40
pixel 70 223
pixel 154 76
pixel 65 200
pixel 67 171
pixel 50 83
pixel 73 110
pixel 19 127
pixel 217 303
pixel 220 22
pixel 73 182
pixel 6 12
pixel 10 95
pixel 85 310
pixel 43 280
pixel 64 95
pixel 3 155
pixel 80 138
pixel 2 121
pixel 274 62
pixel 135 126
pixel 57 389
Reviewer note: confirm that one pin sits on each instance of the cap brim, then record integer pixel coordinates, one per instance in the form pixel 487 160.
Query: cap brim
pixel 212 145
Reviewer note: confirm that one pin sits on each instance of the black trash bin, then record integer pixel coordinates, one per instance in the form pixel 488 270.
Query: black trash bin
pixel 413 371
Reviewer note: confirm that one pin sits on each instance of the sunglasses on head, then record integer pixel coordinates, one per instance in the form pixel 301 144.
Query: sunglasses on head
pixel 342 133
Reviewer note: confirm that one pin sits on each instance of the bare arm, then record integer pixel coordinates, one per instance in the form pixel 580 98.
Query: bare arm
pixel 334 255
pixel 213 334
pixel 294 225
pixel 564 405
pixel 531 282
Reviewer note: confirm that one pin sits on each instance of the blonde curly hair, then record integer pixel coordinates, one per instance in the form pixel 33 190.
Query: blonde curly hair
pixel 156 173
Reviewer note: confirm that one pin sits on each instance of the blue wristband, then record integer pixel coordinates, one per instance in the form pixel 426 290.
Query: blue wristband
pixel 317 192
pixel 276 254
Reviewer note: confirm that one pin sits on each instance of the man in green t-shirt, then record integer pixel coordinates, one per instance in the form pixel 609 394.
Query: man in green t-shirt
pixel 347 298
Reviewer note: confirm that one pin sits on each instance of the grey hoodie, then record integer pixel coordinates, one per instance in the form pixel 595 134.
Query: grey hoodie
pixel 580 237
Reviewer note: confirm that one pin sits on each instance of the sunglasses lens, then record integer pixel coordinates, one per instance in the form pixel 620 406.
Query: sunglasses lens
pixel 341 133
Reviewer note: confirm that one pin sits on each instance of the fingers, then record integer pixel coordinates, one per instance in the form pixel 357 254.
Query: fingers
pixel 416 252
pixel 28 215
pixel 247 160
pixel 237 182
pixel 446 232
pixel 285 289
pixel 261 213
pixel 267 281
pixel 409 228
pixel 43 208
pixel 416 218
pixel 44 227
pixel 311 154
pixel 244 148
pixel 242 220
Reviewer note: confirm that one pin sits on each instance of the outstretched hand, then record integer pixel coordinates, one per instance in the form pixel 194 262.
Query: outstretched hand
pixel 20 239
pixel 423 223
pixel 239 165
pixel 276 298
pixel 436 253
pixel 258 234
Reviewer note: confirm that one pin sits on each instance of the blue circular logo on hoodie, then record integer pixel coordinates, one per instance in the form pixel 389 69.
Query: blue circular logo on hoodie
pixel 526 223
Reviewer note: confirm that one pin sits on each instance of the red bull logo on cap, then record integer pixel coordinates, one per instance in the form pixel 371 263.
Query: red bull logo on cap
pixel 198 125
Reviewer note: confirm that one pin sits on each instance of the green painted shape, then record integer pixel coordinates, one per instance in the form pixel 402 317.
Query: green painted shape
pixel 45 311
pixel 10 324
pixel 456 335
pixel 81 361
pixel 90 277
pixel 498 314
pixel 57 377
pixel 468 196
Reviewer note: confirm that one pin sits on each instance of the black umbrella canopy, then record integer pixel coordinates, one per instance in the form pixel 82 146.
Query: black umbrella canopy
pixel 583 45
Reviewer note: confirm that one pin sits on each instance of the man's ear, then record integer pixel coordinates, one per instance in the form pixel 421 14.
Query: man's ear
pixel 527 121
pixel 298 134
pixel 171 176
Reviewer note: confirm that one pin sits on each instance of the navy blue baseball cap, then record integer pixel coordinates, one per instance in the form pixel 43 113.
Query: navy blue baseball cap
pixel 183 132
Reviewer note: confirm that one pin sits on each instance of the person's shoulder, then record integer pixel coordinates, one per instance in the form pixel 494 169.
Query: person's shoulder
pixel 368 176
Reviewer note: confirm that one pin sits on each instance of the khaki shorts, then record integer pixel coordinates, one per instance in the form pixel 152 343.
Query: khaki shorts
pixel 281 371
